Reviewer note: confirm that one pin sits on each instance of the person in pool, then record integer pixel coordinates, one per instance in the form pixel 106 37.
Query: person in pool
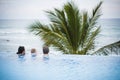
pixel 45 53
pixel 33 52
pixel 21 52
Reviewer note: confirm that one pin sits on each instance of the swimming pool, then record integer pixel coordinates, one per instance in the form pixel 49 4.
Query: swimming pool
pixel 60 67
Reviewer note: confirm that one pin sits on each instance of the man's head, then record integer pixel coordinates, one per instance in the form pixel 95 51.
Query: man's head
pixel 45 50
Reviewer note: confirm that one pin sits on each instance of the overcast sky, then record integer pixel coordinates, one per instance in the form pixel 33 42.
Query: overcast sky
pixel 34 9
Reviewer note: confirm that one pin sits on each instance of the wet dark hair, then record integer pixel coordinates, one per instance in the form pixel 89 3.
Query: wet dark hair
pixel 45 50
pixel 20 49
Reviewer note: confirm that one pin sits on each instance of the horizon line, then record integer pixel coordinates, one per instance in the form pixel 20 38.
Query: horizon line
pixel 42 18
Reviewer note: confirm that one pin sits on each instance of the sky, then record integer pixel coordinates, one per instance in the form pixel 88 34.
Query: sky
pixel 34 9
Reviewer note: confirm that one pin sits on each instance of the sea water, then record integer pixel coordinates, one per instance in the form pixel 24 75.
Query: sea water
pixel 14 33
pixel 109 33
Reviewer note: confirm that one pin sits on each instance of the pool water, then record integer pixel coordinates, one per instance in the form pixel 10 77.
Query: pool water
pixel 60 67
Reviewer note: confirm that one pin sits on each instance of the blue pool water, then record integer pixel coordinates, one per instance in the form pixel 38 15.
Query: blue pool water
pixel 60 67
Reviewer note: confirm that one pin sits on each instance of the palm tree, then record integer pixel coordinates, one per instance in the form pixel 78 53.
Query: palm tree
pixel 113 48
pixel 70 30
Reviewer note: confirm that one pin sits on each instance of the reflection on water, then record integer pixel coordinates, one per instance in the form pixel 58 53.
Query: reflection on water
pixel 62 67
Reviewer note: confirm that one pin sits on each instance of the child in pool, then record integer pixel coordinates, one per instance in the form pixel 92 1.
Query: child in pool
pixel 33 52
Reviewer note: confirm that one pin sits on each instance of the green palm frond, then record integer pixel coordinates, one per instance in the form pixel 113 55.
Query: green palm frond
pixel 110 49
pixel 70 30
pixel 96 13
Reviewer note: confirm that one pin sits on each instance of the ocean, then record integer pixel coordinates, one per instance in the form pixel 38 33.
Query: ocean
pixel 15 33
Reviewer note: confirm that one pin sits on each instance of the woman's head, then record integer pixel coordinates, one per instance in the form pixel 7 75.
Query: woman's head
pixel 21 50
